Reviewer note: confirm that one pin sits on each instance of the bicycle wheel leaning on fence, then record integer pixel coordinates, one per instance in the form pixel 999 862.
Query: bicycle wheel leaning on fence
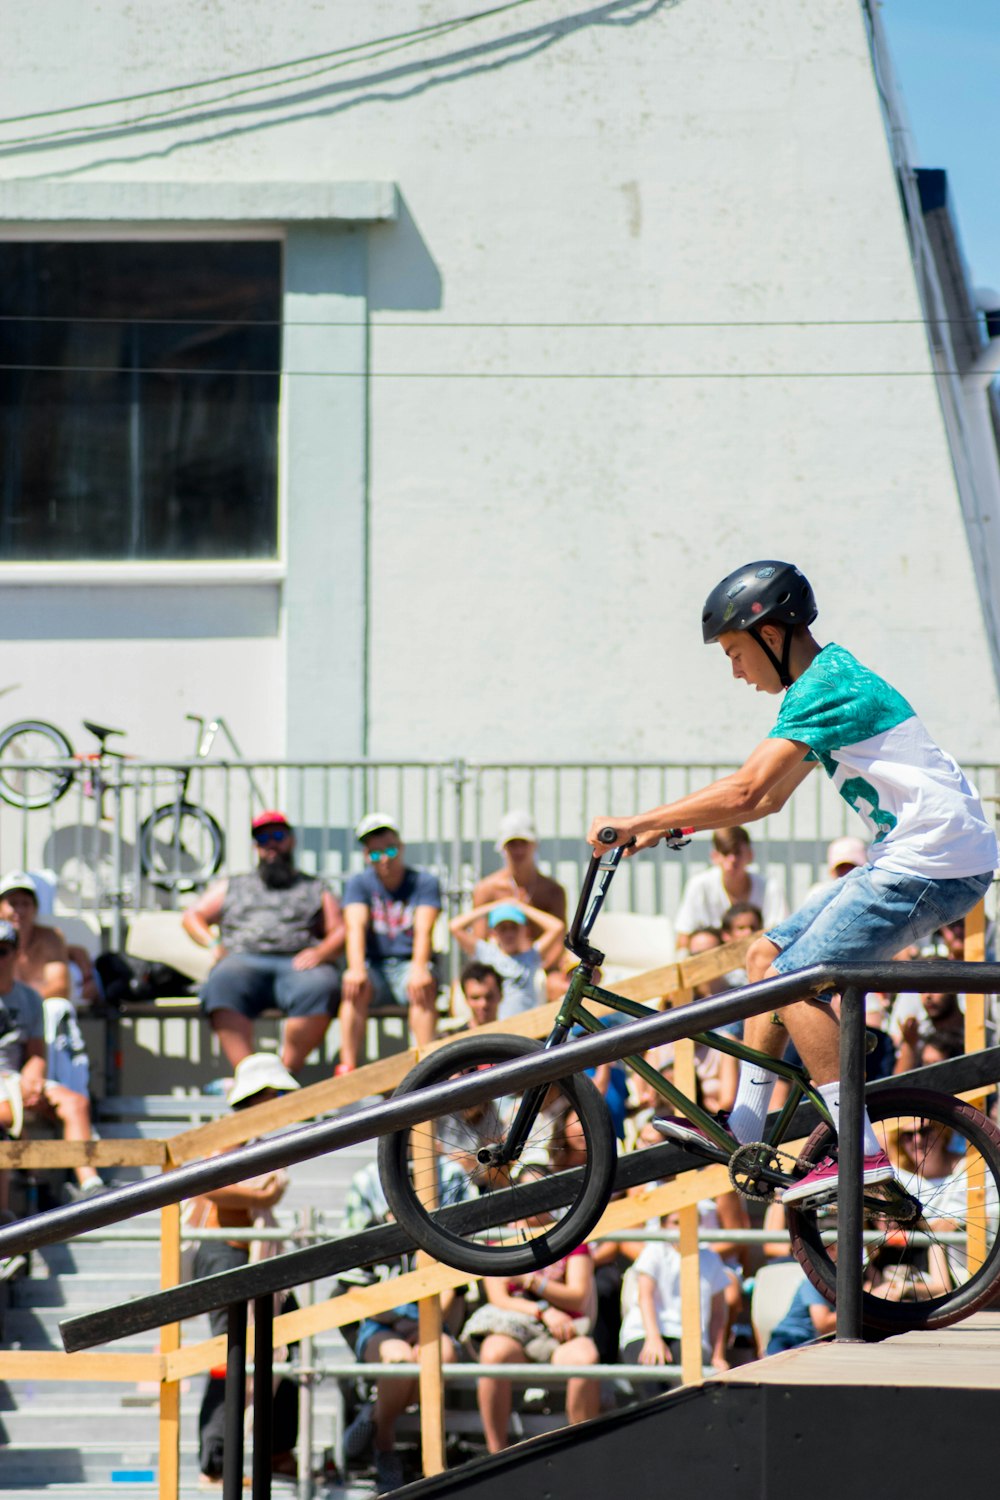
pixel 24 783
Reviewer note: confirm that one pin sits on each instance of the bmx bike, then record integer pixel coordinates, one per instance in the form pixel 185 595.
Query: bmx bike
pixel 932 1237
pixel 180 844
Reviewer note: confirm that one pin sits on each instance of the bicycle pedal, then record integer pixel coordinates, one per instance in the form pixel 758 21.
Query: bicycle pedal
pixel 691 1139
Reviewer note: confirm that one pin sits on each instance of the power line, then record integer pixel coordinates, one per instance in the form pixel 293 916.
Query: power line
pixel 491 374
pixel 973 320
pixel 416 34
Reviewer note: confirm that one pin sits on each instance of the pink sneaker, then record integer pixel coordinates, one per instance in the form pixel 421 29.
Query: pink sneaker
pixel 821 1182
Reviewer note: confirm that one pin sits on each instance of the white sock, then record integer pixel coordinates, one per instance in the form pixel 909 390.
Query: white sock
pixel 830 1093
pixel 746 1119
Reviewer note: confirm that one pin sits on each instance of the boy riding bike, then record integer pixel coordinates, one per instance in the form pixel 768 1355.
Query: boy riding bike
pixel 932 853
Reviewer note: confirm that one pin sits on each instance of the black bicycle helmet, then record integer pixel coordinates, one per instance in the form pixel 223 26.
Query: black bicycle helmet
pixel 756 594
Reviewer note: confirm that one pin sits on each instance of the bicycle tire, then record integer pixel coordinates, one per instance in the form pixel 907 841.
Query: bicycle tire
pixel 173 858
pixel 46 787
pixel 547 1240
pixel 904 1299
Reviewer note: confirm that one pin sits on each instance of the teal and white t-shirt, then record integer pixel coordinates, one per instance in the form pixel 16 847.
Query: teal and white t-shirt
pixel 923 817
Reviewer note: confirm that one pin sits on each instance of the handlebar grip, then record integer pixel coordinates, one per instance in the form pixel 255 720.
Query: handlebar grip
pixel 608 835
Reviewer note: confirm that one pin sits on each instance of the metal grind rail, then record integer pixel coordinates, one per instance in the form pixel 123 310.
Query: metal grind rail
pixel 853 981
pixel 331 1258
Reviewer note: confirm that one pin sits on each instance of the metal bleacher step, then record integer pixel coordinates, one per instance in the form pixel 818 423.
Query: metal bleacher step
pixel 96 1440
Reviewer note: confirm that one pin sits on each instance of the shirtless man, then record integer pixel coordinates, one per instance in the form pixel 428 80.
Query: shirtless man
pixel 42 963
pixel 42 954
pixel 520 879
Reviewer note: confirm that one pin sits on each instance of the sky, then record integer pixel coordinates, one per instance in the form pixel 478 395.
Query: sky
pixel 946 55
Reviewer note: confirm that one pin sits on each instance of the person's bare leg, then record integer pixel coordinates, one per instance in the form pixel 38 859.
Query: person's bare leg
pixel 583 1396
pixel 764 1033
pixel 496 1396
pixel 815 1030
pixel 423 1022
pixel 73 1113
pixel 300 1035
pixel 392 1397
pixel 353 1017
pixel 811 1025
pixel 235 1033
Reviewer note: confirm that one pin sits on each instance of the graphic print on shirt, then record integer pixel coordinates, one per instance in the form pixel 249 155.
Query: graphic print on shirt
pixel 863 797
pixel 390 916
pixel 922 815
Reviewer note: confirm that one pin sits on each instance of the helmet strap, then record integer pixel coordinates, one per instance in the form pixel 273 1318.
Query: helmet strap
pixel 779 665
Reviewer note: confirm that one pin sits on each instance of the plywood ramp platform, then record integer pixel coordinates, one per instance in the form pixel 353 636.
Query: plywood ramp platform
pixel 964 1357
pixel 912 1418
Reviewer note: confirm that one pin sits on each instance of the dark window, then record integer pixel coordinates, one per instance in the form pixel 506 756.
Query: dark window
pixel 140 418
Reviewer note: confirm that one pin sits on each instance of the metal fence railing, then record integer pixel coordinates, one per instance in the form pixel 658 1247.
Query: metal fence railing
pixel 141 835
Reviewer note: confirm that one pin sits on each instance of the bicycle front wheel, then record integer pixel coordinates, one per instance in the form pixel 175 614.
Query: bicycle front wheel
pixel 932 1240
pixel 180 846
pixel 462 1156
pixel 23 783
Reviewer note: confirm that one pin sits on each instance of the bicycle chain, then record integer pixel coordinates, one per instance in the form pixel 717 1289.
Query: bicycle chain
pixel 751 1158
pixel 748 1160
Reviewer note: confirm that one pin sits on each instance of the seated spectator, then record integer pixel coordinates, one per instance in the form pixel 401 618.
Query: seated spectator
pixel 510 950
pixel 391 1337
pixel 741 920
pixel 809 1317
pixel 520 880
pixel 390 910
pixel 916 1051
pixel 843 856
pixel 914 1017
pixel 545 1317
pixel 279 934
pixel 43 962
pixel 25 1091
pixel 709 895
pixel 651 1325
pixel 242 1205
pixel 482 988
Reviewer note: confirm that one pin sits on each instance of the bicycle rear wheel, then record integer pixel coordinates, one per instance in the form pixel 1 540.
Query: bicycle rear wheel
pixel 571 1131
pixel 22 782
pixel 932 1248
pixel 180 846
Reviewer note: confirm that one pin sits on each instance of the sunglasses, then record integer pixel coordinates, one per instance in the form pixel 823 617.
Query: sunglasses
pixel 271 836
pixel 378 855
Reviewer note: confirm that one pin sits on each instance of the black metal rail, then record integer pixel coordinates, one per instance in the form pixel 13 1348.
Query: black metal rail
pixel 853 981
pixel 388 1241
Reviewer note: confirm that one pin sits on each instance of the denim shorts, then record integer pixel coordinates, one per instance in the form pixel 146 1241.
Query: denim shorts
pixel 869 915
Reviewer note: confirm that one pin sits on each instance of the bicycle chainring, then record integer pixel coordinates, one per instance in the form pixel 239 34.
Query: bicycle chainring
pixel 748 1162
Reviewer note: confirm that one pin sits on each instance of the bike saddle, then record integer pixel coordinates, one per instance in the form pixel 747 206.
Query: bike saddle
pixel 101 731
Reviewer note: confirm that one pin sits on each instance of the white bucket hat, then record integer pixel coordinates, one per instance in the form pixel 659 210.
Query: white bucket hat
pixel 260 1071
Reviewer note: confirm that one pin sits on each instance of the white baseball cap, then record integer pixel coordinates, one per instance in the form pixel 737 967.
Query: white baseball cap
pixel 375 822
pixel 846 851
pixel 18 880
pixel 260 1071
pixel 516 825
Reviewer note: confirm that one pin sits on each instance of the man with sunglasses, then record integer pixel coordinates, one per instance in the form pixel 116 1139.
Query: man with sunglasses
pixel 279 933
pixel 390 910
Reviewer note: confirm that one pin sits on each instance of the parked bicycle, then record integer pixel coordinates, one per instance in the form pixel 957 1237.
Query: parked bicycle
pixel 932 1246
pixel 180 844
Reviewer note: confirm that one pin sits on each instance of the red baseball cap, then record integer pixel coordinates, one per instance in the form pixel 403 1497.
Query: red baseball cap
pixel 270 818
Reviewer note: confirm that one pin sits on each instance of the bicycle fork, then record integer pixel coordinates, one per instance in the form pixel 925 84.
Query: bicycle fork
pixel 509 1149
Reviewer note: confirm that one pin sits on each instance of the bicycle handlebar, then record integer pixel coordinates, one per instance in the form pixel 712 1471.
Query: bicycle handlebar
pixel 600 872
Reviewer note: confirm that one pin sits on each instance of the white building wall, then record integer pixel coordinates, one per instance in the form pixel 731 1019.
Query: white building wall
pixel 539 546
